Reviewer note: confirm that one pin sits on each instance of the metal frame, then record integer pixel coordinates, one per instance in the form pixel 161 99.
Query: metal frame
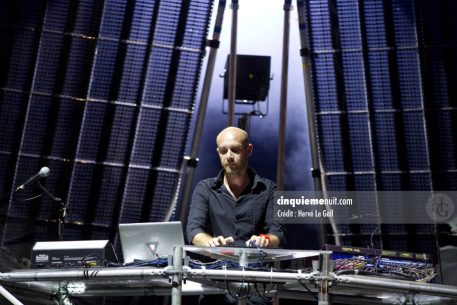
pixel 67 281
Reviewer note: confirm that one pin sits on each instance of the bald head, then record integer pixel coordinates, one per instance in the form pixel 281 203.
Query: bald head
pixel 234 149
pixel 233 133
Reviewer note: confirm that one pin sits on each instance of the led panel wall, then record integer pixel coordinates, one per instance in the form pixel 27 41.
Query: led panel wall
pixel 102 93
pixel 384 75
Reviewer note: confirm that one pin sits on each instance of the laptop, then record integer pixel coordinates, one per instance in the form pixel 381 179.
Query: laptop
pixel 150 240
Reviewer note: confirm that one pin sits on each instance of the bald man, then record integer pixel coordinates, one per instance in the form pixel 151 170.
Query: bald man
pixel 237 205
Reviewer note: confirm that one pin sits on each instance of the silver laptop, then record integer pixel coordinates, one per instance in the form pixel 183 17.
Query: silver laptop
pixel 150 240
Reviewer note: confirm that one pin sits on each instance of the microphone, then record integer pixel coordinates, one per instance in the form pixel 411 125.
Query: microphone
pixel 44 172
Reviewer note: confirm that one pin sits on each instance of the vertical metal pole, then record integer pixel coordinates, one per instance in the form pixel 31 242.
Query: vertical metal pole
pixel 283 97
pixel 324 269
pixel 306 64
pixel 190 163
pixel 176 282
pixel 232 65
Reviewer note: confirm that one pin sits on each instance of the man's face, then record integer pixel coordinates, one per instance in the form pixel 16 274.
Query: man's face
pixel 232 153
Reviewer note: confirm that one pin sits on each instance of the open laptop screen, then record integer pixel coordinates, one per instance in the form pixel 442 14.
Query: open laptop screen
pixel 150 240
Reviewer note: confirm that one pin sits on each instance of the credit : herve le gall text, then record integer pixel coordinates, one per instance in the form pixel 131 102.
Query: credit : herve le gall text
pixel 304 214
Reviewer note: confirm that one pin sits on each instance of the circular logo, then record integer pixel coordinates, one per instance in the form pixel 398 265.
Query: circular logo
pixel 440 207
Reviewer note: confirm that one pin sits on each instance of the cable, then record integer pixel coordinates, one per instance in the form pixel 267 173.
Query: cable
pixel 237 296
pixel 372 235
pixel 262 296
pixel 309 290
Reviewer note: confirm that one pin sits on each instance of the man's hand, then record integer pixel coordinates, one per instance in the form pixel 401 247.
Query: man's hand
pixel 206 240
pixel 219 241
pixel 263 241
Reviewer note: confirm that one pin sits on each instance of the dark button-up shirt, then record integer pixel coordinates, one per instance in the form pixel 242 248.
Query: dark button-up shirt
pixel 214 211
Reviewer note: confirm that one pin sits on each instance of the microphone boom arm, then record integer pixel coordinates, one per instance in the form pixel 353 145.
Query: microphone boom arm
pixel 62 209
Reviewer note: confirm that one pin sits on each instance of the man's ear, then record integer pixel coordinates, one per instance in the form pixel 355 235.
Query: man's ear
pixel 250 148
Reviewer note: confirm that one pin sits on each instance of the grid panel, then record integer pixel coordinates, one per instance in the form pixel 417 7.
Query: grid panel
pixel 6 160
pixel 86 22
pixel 349 25
pixel 141 21
pixel 324 73
pixel 130 86
pixel 360 142
pixel 355 89
pixel 415 145
pixel 196 25
pixel 134 194
pixel 185 79
pixel 439 77
pixel 434 35
pixel 167 22
pixel 101 78
pixel 35 127
pixel 446 138
pixel 117 148
pixel 108 195
pixel 57 16
pixel 374 21
pixel 320 23
pixel 22 54
pixel 12 110
pixel 411 60
pixel 380 80
pixel 331 142
pixel 79 198
pixel 50 52
pixel 104 69
pixel 148 127
pixel 158 69
pixel 78 62
pixel 409 78
pixel 113 19
pixel 404 23
pixel 66 127
pixel 337 182
pixel 174 141
pixel 82 80
pixel 163 193
pixel 92 130
pixel 387 154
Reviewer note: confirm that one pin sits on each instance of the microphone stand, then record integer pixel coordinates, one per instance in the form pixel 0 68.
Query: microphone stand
pixel 62 210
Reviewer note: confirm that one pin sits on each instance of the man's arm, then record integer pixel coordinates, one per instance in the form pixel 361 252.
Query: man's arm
pixel 197 222
pixel 275 230
pixel 198 213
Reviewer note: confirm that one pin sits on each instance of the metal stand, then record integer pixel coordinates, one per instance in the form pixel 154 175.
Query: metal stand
pixel 324 268
pixel 176 279
pixel 283 97
pixel 62 210
pixel 232 64
pixel 106 281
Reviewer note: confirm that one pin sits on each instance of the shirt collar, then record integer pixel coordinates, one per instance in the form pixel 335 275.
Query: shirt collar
pixel 255 179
